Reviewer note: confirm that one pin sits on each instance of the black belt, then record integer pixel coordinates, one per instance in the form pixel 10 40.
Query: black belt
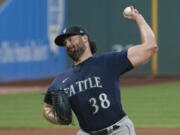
pixel 105 131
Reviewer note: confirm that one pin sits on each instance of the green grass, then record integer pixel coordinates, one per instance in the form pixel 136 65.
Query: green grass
pixel 148 106
pixel 153 105
pixel 22 111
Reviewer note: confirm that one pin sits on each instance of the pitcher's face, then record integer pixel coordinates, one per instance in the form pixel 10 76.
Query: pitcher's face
pixel 75 46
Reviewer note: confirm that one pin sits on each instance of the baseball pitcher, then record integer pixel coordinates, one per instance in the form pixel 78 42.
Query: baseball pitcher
pixel 91 85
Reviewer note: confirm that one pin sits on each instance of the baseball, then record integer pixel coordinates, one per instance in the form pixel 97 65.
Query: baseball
pixel 128 11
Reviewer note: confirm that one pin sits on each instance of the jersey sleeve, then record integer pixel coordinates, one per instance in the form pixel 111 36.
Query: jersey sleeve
pixel 53 86
pixel 118 62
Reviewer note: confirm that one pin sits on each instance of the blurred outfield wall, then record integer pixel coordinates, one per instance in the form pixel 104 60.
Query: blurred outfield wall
pixel 104 21
pixel 28 28
pixel 27 31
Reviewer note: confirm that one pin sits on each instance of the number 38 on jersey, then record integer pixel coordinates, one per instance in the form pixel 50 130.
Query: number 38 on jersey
pixel 104 102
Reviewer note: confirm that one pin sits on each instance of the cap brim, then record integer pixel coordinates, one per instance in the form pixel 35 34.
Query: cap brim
pixel 59 40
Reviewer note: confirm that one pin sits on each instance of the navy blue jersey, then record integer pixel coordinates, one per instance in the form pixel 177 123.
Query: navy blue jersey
pixel 93 89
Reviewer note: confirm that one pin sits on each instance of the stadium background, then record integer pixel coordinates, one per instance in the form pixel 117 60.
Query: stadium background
pixel 29 59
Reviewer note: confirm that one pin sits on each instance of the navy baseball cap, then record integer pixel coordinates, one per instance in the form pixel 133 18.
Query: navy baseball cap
pixel 70 31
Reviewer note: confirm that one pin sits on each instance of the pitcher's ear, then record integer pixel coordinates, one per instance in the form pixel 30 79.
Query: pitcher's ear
pixel 85 38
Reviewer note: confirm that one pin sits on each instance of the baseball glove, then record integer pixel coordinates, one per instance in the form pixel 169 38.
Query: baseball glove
pixel 62 107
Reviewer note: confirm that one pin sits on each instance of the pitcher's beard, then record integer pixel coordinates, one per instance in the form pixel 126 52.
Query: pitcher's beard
pixel 76 53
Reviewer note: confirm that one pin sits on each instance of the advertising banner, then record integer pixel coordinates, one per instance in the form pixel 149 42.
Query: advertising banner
pixel 27 32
